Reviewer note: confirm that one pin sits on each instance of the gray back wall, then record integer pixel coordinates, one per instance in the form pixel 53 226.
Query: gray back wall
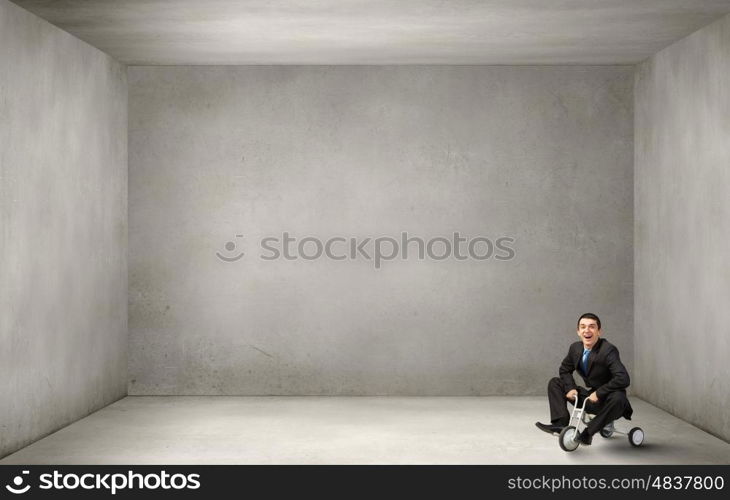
pixel 63 229
pixel 540 154
pixel 682 226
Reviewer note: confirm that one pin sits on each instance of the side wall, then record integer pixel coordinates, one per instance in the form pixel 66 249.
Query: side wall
pixel 540 154
pixel 682 226
pixel 63 228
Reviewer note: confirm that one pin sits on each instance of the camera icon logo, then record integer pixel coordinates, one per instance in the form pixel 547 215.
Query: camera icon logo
pixel 18 487
pixel 230 247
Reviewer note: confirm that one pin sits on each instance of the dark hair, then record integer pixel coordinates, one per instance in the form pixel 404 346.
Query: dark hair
pixel 590 316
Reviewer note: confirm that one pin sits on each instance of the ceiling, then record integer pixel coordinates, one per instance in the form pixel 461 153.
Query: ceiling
pixel 161 32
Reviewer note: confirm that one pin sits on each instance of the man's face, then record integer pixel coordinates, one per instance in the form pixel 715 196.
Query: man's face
pixel 588 332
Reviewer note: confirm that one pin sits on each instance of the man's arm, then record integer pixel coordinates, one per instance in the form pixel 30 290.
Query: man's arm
pixel 619 375
pixel 566 372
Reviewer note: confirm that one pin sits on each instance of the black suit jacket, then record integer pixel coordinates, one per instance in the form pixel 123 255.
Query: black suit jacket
pixel 605 374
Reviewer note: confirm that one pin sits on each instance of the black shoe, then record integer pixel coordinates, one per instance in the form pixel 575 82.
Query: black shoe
pixel 584 438
pixel 549 428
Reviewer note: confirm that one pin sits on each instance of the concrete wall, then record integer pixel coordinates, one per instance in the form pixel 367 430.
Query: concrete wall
pixel 63 229
pixel 540 154
pixel 682 223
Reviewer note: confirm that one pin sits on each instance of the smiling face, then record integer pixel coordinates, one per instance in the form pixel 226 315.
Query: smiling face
pixel 589 332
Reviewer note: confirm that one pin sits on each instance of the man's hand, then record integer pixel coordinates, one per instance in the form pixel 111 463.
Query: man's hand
pixel 572 394
pixel 593 398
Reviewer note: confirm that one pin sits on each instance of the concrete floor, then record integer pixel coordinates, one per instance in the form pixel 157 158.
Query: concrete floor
pixel 352 430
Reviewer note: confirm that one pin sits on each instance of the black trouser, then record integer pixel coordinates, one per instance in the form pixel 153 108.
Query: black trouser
pixel 611 408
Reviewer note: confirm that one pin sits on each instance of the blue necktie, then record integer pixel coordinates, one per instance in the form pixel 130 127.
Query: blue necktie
pixel 584 362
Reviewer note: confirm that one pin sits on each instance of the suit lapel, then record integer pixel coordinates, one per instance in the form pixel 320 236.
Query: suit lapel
pixel 577 358
pixel 594 353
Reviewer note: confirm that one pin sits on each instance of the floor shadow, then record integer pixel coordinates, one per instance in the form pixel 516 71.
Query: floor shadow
pixel 621 448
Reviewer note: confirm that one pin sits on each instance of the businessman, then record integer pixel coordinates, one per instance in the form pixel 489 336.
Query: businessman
pixel 600 366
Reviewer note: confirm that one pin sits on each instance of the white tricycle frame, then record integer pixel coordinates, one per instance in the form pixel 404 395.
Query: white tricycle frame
pixel 579 418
